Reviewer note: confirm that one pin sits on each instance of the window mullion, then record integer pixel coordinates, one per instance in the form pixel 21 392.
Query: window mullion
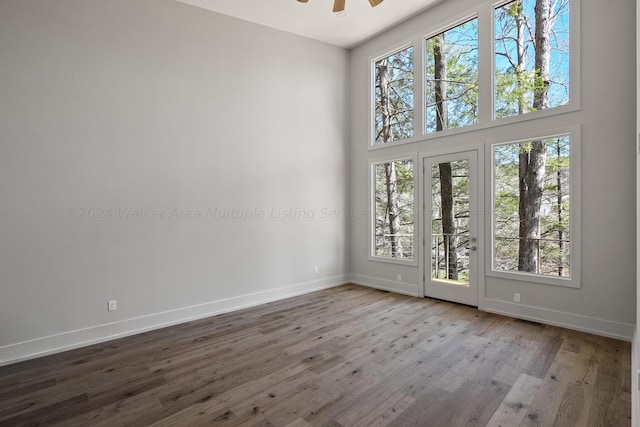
pixel 485 65
pixel 418 87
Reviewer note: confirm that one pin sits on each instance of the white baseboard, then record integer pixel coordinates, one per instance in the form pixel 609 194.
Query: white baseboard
pixel 68 340
pixel 607 328
pixel 385 285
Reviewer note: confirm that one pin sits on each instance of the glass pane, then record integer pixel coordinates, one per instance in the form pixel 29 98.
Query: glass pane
pixel 531 66
pixel 452 78
pixel 394 97
pixel 450 222
pixel 394 209
pixel 531 222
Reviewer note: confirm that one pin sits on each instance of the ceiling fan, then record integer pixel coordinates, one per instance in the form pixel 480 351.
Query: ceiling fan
pixel 338 5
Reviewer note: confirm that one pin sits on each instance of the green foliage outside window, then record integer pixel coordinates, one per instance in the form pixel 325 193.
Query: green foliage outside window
pixel 552 245
pixel 394 185
pixel 394 97
pixel 531 56
pixel 452 77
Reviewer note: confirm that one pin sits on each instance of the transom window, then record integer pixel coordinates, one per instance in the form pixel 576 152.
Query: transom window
pixel 452 78
pixel 531 49
pixel 394 97
pixel 475 79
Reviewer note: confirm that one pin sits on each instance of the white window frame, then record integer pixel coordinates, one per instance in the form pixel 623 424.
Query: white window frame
pixel 372 95
pixel 486 81
pixel 462 20
pixel 372 205
pixel 575 231
pixel 574 69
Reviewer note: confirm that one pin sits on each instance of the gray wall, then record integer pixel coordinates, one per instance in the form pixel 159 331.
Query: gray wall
pixel 605 303
pixel 155 105
pixel 159 108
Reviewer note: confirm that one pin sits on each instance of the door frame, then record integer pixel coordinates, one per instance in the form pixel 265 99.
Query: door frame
pixel 483 215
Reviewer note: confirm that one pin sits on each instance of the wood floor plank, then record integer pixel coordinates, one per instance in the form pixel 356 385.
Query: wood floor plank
pixel 546 403
pixel 299 423
pixel 571 404
pixel 479 409
pixel 347 356
pixel 430 399
pixel 513 409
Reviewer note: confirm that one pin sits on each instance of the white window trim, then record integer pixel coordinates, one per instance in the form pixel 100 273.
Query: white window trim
pixel 486 82
pixel 372 206
pixel 424 269
pixel 462 20
pixel 372 92
pixel 574 281
pixel 574 69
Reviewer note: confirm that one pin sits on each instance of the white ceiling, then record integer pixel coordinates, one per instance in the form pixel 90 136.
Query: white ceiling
pixel 315 18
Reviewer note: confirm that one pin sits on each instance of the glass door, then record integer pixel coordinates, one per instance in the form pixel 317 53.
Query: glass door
pixel 451 228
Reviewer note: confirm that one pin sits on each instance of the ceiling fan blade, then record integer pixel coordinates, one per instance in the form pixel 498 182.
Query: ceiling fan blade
pixel 374 3
pixel 338 5
pixel 303 1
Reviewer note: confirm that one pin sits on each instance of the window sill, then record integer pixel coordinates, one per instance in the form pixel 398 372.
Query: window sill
pixel 572 282
pixel 409 263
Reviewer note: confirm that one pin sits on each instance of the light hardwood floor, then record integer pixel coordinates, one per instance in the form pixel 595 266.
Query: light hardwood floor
pixel 348 356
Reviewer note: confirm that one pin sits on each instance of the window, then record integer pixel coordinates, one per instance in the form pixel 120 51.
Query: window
pixel 394 97
pixel 533 212
pixel 452 78
pixel 501 63
pixel 531 56
pixel 526 66
pixel 393 195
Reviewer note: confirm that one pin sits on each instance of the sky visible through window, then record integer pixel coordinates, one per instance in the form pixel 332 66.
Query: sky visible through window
pixel 452 78
pixel 515 57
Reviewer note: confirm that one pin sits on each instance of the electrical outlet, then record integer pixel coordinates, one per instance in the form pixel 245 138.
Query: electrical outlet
pixel 315 269
pixel 399 277
pixel 516 297
pixel 112 305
